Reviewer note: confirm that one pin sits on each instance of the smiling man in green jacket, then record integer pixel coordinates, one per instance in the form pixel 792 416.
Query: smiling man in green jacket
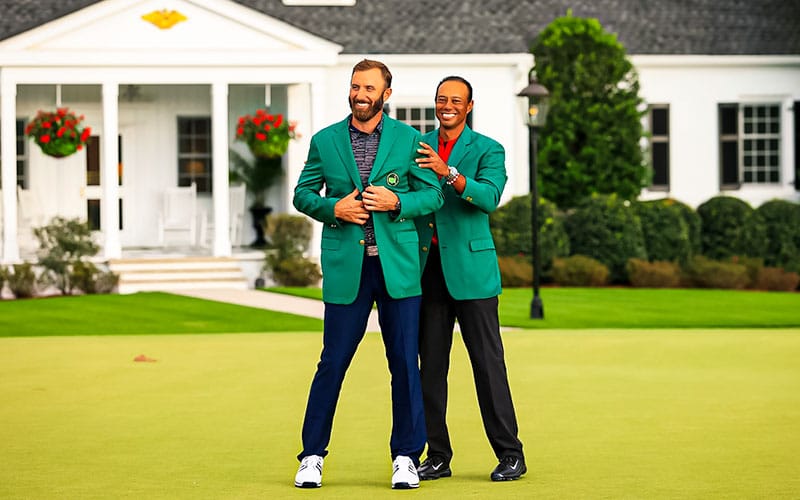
pixel 461 281
pixel 373 189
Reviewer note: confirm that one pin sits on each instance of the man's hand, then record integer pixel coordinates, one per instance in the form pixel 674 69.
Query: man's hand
pixel 432 160
pixel 349 209
pixel 379 199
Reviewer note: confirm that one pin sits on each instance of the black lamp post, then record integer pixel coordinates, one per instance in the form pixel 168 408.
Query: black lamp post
pixel 536 97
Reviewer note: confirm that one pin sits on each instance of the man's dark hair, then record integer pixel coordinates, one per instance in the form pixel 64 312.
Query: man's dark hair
pixel 367 64
pixel 456 79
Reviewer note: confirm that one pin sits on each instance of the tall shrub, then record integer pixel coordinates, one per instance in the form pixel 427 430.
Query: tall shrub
pixel 591 141
pixel 607 229
pixel 731 228
pixel 511 229
pixel 782 226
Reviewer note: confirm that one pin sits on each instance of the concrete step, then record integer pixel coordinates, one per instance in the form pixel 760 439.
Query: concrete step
pixel 166 274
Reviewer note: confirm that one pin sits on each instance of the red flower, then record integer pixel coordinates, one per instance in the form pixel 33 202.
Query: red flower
pixel 46 125
pixel 44 139
pixel 61 132
pixel 261 136
pixel 270 117
pixel 267 127
pixel 278 120
pixel 87 132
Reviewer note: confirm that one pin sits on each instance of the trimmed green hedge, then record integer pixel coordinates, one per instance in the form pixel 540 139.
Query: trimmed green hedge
pixel 606 228
pixel 511 229
pixel 781 221
pixel 731 227
pixel 671 230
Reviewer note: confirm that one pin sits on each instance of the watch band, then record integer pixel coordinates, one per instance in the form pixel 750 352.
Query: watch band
pixel 452 175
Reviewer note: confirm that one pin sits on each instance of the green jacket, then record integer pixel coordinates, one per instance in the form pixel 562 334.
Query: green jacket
pixel 469 260
pixel 331 165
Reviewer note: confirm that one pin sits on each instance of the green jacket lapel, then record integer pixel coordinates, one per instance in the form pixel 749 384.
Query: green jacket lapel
pixel 341 140
pixel 388 137
pixel 461 147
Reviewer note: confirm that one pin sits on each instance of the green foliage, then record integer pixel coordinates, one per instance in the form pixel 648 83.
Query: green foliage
pixel 703 272
pixel 607 229
pixel 22 280
pixel 580 270
pixel 658 274
pixel 782 226
pixel 590 143
pixel 62 243
pixel 731 227
pixel 290 236
pixel 87 277
pixel 258 174
pixel 515 270
pixel 511 229
pixel 668 232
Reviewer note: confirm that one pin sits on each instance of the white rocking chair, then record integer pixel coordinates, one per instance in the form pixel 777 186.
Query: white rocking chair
pixel 178 214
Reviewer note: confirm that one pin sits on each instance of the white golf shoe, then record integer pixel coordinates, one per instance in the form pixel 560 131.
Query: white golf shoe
pixel 404 475
pixel 309 475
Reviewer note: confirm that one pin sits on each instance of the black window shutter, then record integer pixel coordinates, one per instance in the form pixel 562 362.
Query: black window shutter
pixel 729 146
pixel 796 109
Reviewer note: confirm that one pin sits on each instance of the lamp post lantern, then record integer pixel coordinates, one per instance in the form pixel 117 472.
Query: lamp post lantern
pixel 537 104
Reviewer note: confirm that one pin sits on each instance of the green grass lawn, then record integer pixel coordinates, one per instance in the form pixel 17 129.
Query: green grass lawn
pixel 602 414
pixel 639 308
pixel 140 313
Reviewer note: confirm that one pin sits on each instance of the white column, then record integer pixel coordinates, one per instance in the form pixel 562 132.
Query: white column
pixel 219 147
pixel 311 103
pixel 299 109
pixel 8 165
pixel 109 177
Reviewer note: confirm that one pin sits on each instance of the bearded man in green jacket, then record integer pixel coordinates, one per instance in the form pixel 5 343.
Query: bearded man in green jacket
pixel 373 189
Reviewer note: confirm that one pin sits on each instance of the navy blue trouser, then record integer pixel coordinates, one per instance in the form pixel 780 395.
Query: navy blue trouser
pixel 344 328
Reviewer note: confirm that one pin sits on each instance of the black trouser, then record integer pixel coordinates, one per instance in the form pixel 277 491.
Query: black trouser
pixel 480 331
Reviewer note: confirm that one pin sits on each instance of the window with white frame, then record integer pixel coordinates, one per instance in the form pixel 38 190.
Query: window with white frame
pixel 658 117
pixel 422 118
pixel 750 144
pixel 194 152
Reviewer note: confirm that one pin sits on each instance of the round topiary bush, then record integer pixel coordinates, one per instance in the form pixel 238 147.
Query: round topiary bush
pixel 730 227
pixel 782 226
pixel 668 232
pixel 511 230
pixel 607 229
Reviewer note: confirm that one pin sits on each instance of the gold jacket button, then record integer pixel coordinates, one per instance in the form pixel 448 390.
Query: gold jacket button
pixel 361 242
pixel 430 224
pixel 469 199
pixel 424 249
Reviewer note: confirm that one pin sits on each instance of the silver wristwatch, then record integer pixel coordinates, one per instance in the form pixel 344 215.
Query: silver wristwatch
pixel 452 175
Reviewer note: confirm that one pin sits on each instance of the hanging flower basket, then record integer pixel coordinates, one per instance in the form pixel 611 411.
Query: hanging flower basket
pixel 58 133
pixel 266 135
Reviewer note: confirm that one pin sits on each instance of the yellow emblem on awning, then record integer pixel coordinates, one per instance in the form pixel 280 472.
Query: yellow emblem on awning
pixel 164 19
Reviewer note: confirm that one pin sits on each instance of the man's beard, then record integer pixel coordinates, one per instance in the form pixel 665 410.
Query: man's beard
pixel 367 114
